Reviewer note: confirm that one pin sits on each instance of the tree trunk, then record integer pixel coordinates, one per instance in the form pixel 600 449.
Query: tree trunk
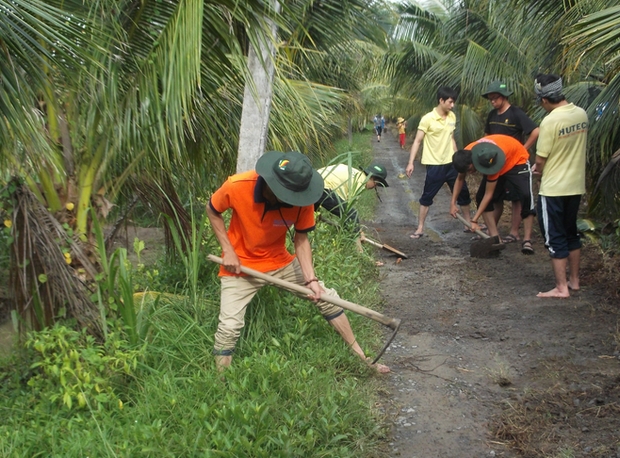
pixel 257 103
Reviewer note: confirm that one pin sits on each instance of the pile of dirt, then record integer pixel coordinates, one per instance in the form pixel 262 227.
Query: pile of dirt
pixel 481 366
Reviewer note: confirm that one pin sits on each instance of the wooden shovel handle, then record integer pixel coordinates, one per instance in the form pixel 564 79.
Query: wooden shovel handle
pixel 363 238
pixel 392 323
pixel 468 224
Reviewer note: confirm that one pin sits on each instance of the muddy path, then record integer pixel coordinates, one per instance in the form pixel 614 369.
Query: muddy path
pixel 481 366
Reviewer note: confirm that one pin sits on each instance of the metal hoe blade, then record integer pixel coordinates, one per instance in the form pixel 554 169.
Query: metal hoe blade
pixel 488 247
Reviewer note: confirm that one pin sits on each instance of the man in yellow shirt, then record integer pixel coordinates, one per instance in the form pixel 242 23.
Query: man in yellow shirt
pixel 436 132
pixel 343 184
pixel 561 164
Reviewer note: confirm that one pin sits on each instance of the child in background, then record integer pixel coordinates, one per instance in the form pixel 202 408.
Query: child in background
pixel 402 125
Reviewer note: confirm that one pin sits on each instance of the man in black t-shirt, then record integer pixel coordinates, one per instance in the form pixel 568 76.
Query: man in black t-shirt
pixel 507 119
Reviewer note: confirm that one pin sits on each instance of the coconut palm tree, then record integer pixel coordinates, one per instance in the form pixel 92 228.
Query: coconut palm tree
pixel 123 101
pixel 41 42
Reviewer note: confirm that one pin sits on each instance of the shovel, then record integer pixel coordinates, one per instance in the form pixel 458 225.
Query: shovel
pixel 385 246
pixel 392 323
pixel 488 247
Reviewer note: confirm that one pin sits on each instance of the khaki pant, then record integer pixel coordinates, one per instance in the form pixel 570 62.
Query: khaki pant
pixel 236 294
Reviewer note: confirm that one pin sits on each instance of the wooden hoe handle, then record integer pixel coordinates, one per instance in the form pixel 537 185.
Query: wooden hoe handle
pixel 392 323
pixel 466 223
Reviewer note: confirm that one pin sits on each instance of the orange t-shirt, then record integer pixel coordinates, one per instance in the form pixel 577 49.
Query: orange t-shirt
pixel 258 230
pixel 515 152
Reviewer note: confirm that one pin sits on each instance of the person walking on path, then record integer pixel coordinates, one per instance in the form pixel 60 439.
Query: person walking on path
pixel 401 124
pixel 379 122
pixel 267 204
pixel 436 133
pixel 503 161
pixel 507 119
pixel 561 164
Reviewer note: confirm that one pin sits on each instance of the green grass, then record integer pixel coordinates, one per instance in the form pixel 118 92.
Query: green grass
pixel 361 147
pixel 294 388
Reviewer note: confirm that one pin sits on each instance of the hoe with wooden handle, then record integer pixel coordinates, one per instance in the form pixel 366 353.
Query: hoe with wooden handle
pixel 487 247
pixel 385 246
pixel 392 323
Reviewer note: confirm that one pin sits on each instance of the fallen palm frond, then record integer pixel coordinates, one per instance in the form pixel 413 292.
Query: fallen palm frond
pixel 43 282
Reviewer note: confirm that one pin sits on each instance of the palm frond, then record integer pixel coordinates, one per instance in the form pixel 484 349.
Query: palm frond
pixel 596 35
pixel 42 281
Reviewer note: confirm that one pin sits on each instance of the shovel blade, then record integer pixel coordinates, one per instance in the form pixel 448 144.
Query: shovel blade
pixel 486 248
pixel 394 250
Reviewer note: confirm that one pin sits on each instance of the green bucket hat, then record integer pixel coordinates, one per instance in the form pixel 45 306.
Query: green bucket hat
pixel 291 177
pixel 497 87
pixel 378 173
pixel 487 158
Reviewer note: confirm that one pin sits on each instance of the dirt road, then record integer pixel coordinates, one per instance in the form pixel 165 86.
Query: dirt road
pixel 481 366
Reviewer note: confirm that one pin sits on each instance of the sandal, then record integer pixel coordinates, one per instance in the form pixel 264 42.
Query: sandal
pixel 510 239
pixel 526 247
pixel 417 236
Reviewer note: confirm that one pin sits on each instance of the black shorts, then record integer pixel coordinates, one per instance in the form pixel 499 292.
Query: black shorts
pixel 517 181
pixel 557 217
pixel 332 202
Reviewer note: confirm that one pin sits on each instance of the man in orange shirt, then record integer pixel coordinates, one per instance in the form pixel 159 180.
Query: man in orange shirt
pixel 267 204
pixel 501 159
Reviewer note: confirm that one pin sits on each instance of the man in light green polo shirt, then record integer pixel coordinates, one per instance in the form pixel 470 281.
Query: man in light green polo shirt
pixel 343 184
pixel 561 163
pixel 436 133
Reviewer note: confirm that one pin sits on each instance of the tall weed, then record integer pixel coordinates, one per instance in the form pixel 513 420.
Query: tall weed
pixel 115 290
pixel 189 249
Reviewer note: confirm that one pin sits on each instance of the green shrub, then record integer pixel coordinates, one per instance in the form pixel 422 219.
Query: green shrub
pixel 71 369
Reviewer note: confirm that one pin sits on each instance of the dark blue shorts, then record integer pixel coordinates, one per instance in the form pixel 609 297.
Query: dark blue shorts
pixel 557 217
pixel 436 176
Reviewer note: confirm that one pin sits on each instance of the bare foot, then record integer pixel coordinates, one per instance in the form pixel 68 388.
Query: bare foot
pixel 379 264
pixel 555 293
pixel 570 286
pixel 381 368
